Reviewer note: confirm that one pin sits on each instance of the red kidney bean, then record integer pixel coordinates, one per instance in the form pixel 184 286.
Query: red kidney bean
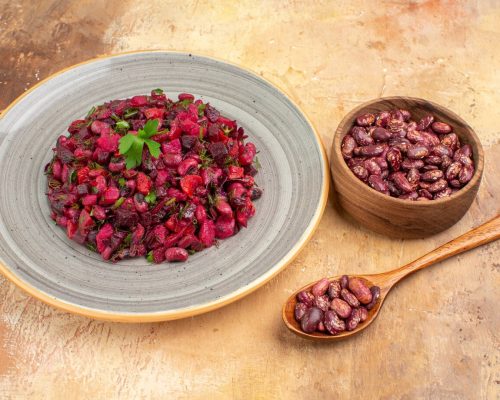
pixel 384 174
pixel 348 145
pixel 429 167
pixel 441 127
pixel 409 196
pixel 446 162
pixel 356 161
pixel 443 193
pixel 465 174
pixel 381 162
pixel 425 193
pixel 465 160
pixel 415 136
pixel 432 176
pixel 450 140
pixel 360 172
pixel 377 183
pixel 397 127
pixel 360 290
pixel 433 160
pixel 341 308
pixel 425 122
pixel 363 314
pixel 417 151
pixel 322 302
pixel 393 190
pixel 396 114
pixel 333 323
pixel 465 150
pixel 400 143
pixel 442 150
pixel 305 297
pixel 320 287
pixel 424 185
pixel 413 176
pixel 453 170
pixel 311 319
pixel 361 136
pixel 344 281
pixel 372 167
pixel 381 134
pixel 375 296
pixel 401 182
pixel 354 320
pixel 431 138
pixel 365 119
pixel 409 164
pixel 406 115
pixel 394 158
pixel 455 183
pixel 300 310
pixel 349 298
pixel 437 186
pixel 334 289
pixel 372 150
pixel 383 118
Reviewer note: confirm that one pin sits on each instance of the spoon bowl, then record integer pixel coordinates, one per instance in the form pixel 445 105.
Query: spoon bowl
pixel 483 234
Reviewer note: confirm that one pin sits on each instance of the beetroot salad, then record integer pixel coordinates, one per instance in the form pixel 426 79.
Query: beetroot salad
pixel 150 176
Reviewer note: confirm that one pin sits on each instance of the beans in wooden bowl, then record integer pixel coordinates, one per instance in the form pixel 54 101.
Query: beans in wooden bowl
pixel 407 159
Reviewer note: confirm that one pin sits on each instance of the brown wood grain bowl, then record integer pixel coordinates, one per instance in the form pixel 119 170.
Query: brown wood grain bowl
pixel 396 217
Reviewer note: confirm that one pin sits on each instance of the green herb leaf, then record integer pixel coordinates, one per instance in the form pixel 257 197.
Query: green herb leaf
pixel 170 202
pixel 127 239
pixel 91 111
pixel 91 247
pixel 154 147
pixel 257 163
pixel 130 112
pixel 201 109
pixel 122 126
pixel 185 103
pixel 118 203
pixel 149 257
pixel 115 117
pixel 122 182
pixel 151 197
pixel 157 91
pixel 131 146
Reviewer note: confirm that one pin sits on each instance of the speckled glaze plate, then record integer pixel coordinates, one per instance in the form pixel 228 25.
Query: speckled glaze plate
pixel 35 253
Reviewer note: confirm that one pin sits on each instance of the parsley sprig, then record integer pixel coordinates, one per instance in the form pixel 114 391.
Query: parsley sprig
pixel 131 146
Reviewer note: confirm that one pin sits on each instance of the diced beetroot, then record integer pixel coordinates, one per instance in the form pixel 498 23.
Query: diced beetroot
pixel 247 153
pixel 71 228
pixel 99 213
pixel 72 214
pixel 61 221
pixel 82 175
pixel 156 237
pixel 99 184
pixel 224 227
pixel 173 147
pixel 109 196
pixel 210 175
pixel 234 172
pixel 176 254
pixel 207 233
pixel 200 214
pixel 140 204
pixel 116 166
pixel 129 173
pixel 103 237
pixel 186 165
pixel 104 113
pixel 187 241
pixel 65 173
pixel 176 194
pixel 162 178
pixel 138 234
pixel 89 200
pixel 172 160
pixel 189 183
pixel 143 183
pixel 108 142
pixel 237 194
pixel 56 170
pixel 75 126
pixel 171 223
pixel 223 208
pixel 175 130
pixel 152 113
pixel 85 223
pixel 99 127
pixel 138 101
pixel 158 255
pixel 185 96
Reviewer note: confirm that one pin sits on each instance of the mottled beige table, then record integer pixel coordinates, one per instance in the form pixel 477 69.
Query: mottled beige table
pixel 438 336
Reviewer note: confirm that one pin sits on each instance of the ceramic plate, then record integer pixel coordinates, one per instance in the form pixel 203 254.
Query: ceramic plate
pixel 35 253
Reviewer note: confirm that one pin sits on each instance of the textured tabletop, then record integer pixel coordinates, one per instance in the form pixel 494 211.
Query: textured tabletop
pixel 438 334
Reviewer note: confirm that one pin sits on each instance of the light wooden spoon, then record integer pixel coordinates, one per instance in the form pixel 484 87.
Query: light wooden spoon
pixel 483 234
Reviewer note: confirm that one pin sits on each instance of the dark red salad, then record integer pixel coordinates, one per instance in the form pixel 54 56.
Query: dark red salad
pixel 150 176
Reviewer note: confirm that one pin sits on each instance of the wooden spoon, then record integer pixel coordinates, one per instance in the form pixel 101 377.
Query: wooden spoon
pixel 483 234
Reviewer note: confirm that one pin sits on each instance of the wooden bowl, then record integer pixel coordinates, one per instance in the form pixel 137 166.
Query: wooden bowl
pixel 397 217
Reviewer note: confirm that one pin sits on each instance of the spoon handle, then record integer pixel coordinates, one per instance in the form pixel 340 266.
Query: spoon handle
pixel 488 232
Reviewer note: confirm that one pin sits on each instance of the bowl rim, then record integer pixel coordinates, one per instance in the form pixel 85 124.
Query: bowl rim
pixel 339 159
pixel 142 317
